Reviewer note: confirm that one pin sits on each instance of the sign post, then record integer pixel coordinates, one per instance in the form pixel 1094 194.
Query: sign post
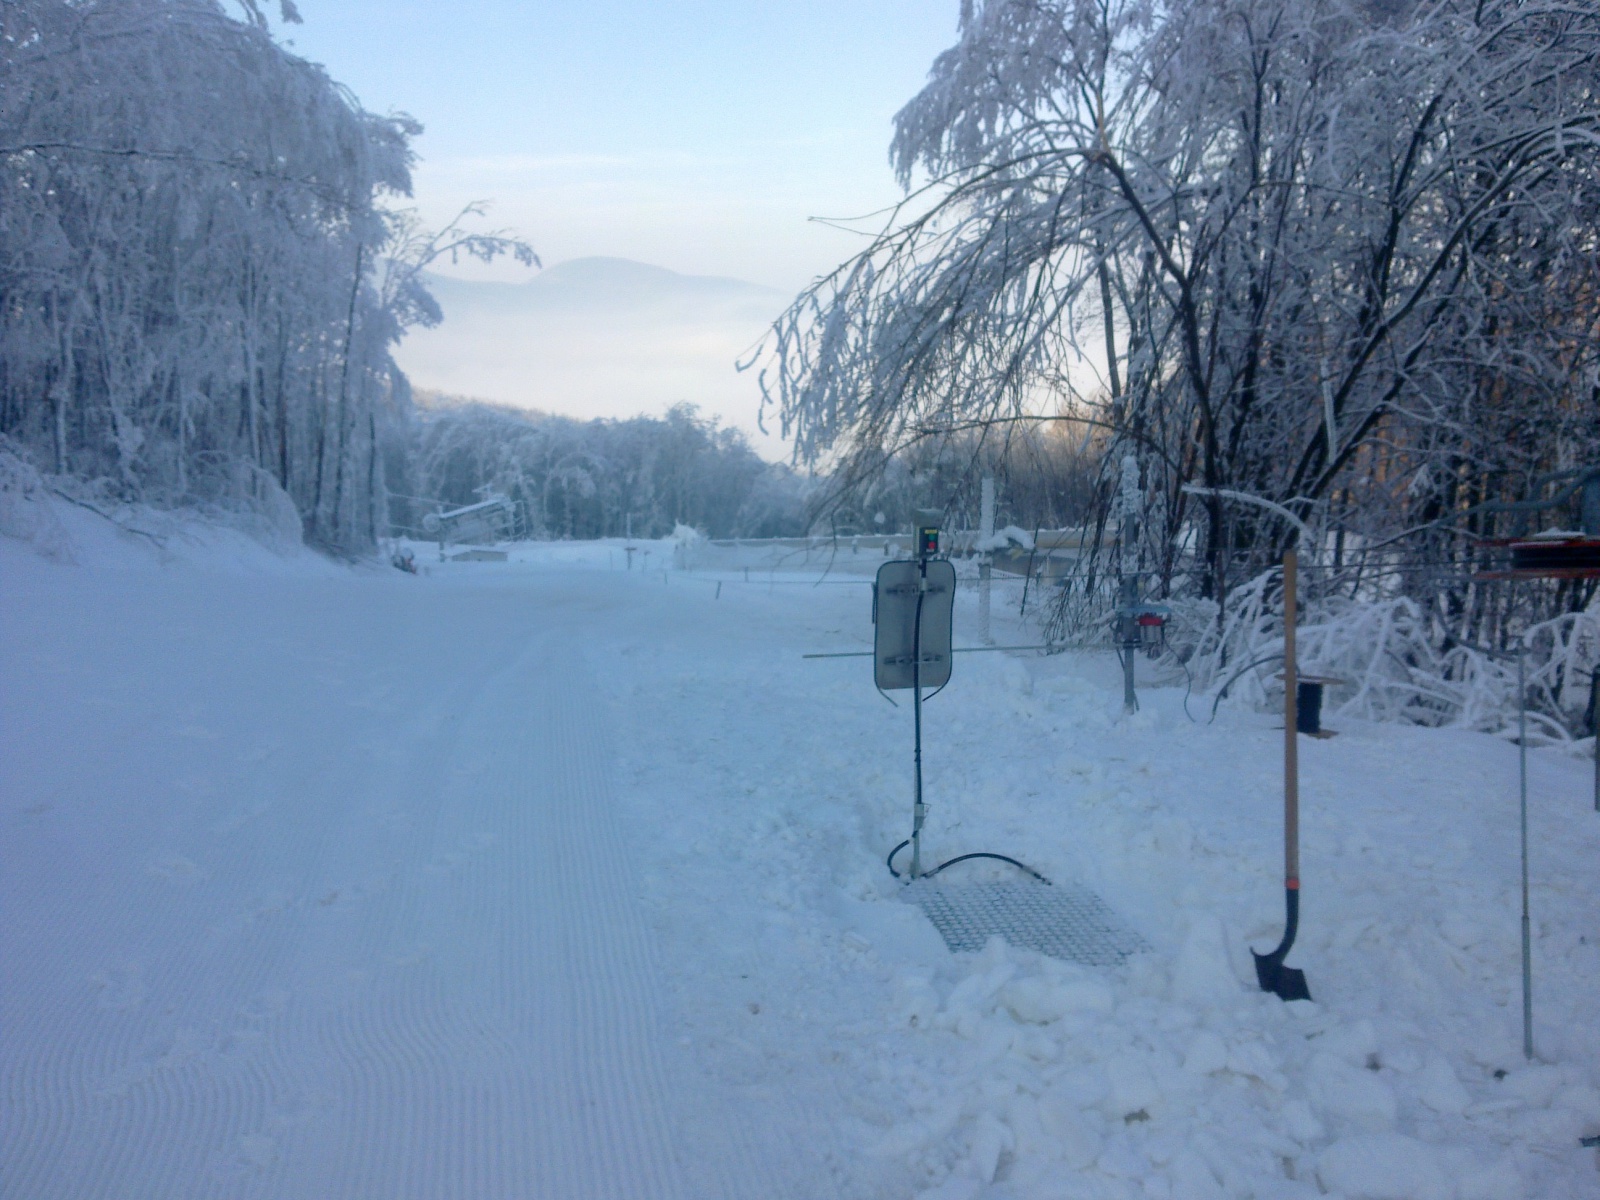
pixel 913 616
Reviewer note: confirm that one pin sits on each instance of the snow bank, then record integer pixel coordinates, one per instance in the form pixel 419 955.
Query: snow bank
pixel 1132 1085
pixel 1009 1075
pixel 1011 535
pixel 67 522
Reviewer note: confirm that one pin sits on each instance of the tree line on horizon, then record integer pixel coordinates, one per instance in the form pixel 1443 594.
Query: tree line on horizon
pixel 574 478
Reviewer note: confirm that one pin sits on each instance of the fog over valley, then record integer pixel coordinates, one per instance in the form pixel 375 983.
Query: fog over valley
pixel 600 337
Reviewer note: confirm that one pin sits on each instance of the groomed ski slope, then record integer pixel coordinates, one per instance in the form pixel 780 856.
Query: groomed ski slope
pixel 553 879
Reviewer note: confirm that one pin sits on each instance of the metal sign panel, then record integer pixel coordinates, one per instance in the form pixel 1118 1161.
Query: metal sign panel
pixel 895 614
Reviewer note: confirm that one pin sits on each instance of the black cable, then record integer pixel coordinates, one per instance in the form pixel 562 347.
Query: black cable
pixel 985 854
pixel 890 860
pixel 1232 679
pixel 1188 679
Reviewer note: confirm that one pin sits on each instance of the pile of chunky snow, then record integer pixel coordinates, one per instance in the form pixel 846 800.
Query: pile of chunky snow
pixel 1171 1079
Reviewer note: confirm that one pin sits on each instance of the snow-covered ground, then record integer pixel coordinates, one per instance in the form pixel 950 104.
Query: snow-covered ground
pixel 554 878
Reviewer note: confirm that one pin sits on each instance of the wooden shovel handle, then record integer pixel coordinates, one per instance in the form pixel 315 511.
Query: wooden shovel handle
pixel 1291 747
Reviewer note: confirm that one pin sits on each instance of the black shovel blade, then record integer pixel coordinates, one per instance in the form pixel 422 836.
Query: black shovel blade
pixel 1287 983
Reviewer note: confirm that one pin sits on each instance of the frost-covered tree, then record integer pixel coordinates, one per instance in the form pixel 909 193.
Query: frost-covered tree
pixel 1339 255
pixel 200 283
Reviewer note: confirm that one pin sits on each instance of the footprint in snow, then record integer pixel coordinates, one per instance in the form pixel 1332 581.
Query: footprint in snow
pixel 176 868
pixel 120 988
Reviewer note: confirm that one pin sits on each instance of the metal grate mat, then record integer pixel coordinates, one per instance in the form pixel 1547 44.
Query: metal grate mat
pixel 1063 920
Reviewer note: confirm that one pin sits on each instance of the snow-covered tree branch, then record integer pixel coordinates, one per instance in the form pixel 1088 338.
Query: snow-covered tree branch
pixel 1308 252
pixel 202 280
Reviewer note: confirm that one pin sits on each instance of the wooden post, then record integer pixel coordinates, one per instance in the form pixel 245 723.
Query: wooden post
pixel 1291 747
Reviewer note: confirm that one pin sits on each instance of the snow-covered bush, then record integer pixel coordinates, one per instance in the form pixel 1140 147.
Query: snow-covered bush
pixel 25 511
pixel 686 544
pixel 1391 661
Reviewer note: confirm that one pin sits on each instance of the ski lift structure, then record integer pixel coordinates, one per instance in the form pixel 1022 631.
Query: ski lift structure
pixel 489 520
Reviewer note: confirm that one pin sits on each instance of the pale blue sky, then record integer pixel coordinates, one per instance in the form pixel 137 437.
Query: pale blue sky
pixel 698 136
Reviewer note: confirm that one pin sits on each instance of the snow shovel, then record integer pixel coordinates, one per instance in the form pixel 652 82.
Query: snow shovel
pixel 1288 983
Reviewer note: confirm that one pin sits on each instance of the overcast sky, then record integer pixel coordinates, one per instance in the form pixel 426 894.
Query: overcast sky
pixel 697 135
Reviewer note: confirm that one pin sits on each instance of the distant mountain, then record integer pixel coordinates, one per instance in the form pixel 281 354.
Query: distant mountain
pixel 599 337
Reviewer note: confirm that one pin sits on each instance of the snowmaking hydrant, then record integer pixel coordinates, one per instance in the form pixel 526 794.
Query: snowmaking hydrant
pixel 913 616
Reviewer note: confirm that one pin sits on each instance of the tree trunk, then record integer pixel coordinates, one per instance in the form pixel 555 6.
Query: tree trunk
pixel 342 421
